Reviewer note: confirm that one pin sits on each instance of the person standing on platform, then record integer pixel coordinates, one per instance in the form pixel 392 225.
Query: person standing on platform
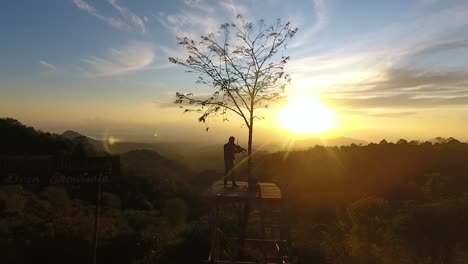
pixel 230 149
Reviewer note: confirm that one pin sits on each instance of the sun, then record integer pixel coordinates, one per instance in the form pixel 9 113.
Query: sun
pixel 307 115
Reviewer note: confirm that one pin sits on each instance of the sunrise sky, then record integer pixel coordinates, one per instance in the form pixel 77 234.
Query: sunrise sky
pixel 387 69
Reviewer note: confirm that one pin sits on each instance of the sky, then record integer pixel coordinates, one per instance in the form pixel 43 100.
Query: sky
pixel 388 69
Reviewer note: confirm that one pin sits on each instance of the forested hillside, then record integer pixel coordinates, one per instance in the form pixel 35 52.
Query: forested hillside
pixel 149 212
pixel 403 202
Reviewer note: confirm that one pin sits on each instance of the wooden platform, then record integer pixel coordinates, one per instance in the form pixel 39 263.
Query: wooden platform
pixel 265 190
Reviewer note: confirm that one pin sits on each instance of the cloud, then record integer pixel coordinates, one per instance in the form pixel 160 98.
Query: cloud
pixel 114 22
pixel 425 49
pixel 424 52
pixel 387 113
pixel 189 24
pixel 393 114
pixel 417 30
pixel 399 88
pixel 133 57
pixel 200 4
pixel 321 20
pixel 395 66
pixel 135 20
pixel 199 17
pixel 48 66
pixel 127 21
pixel 234 9
pixel 403 100
pixel 84 6
pixel 408 79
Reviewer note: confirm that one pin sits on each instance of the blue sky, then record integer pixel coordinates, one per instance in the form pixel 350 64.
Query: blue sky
pixel 96 64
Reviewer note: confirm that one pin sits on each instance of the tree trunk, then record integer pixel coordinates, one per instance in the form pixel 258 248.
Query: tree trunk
pixel 250 182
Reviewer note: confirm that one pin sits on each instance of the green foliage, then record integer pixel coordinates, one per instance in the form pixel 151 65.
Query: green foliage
pixel 368 217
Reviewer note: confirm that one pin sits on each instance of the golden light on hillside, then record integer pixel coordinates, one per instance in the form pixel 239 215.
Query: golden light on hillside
pixel 305 114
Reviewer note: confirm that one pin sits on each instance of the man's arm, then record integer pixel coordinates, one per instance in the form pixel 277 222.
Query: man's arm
pixel 240 149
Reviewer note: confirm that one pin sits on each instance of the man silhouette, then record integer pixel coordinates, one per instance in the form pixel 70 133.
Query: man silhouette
pixel 230 149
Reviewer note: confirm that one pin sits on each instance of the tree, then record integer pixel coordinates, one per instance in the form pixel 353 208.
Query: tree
pixel 383 142
pixel 402 142
pixel 242 66
pixel 369 229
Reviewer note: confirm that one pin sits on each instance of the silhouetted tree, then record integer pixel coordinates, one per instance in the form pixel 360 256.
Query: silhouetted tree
pixel 241 64
pixel 402 142
pixel 440 140
pixel 452 140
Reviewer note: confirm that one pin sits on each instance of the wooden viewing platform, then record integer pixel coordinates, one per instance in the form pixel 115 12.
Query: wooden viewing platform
pixel 267 238
pixel 264 190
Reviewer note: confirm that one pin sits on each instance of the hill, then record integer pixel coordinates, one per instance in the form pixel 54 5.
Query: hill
pixel 328 142
pixel 151 207
pixel 71 135
pixel 154 167
pixel 18 139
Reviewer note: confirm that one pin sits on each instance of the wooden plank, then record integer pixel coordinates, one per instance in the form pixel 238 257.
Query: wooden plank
pixel 269 190
pixel 265 191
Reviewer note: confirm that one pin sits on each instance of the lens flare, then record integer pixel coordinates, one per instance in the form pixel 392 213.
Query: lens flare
pixel 108 141
pixel 111 140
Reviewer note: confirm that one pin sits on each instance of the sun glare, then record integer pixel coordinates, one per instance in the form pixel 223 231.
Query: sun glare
pixel 307 115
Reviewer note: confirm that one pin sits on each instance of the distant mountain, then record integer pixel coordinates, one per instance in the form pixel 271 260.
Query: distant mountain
pixel 329 142
pixel 442 140
pixel 344 141
pixel 92 146
pixel 71 135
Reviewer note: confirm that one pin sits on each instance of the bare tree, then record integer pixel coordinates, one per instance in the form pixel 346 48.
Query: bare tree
pixel 242 65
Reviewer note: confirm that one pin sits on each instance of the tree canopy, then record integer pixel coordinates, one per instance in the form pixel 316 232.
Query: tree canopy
pixel 242 66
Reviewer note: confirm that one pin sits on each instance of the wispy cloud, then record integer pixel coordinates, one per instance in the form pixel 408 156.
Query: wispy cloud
pixel 84 6
pixel 199 17
pixel 321 20
pixel 404 88
pixel 387 114
pixel 405 68
pixel 396 101
pixel 189 24
pixel 133 57
pixel 409 43
pixel 388 67
pixel 200 5
pixel 114 22
pixel 128 15
pixel 48 67
pixel 234 8
pixel 126 22
pixel 408 80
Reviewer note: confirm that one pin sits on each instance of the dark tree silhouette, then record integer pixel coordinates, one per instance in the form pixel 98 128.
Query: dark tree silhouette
pixel 402 142
pixel 242 65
